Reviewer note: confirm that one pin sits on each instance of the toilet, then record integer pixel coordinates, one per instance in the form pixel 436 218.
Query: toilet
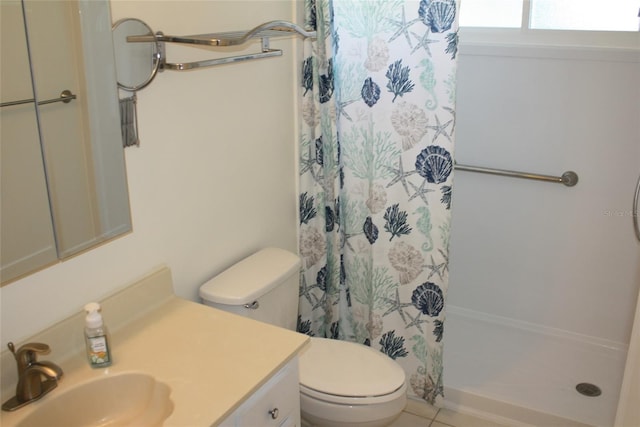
pixel 342 384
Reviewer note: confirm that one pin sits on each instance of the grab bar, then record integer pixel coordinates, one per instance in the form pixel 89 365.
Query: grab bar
pixel 634 212
pixel 568 178
pixel 65 96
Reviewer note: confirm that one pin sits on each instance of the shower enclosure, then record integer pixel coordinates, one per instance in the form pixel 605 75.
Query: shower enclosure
pixel 544 277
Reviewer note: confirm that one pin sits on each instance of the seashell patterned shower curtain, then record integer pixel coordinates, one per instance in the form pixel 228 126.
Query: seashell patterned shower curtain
pixel 376 171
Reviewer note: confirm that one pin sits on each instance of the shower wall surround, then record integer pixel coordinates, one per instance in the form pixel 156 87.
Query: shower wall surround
pixel 560 257
pixel 549 275
pixel 216 164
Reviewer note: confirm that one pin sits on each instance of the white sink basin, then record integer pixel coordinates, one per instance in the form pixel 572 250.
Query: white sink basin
pixel 127 399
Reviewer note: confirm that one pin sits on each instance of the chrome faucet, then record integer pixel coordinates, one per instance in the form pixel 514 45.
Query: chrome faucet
pixel 31 385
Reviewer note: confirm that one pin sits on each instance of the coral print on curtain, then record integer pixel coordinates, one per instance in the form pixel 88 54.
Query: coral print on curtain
pixel 376 171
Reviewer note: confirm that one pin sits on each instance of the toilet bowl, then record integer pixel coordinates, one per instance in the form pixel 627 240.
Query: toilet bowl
pixel 342 384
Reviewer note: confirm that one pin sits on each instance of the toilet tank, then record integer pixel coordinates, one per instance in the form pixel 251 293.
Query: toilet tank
pixel 263 286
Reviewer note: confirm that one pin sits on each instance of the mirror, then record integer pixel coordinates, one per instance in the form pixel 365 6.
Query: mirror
pixel 63 180
pixel 136 63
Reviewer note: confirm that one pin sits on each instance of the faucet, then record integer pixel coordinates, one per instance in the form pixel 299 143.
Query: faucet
pixel 31 385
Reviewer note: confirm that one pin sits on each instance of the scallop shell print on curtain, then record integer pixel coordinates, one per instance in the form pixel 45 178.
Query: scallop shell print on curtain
pixel 376 172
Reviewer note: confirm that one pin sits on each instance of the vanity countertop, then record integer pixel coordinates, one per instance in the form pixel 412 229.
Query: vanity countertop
pixel 212 360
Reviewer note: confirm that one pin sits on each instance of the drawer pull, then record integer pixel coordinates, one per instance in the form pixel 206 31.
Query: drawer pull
pixel 274 413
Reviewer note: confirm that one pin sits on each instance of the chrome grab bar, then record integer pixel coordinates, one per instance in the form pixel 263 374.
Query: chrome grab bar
pixel 65 96
pixel 634 211
pixel 568 178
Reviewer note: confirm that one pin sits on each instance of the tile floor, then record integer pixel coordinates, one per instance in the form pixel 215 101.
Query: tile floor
pixel 418 414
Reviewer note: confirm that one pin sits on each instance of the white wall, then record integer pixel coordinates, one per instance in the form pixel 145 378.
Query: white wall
pixel 213 180
pixel 557 257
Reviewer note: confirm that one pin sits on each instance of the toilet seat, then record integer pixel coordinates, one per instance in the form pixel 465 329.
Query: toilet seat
pixel 350 373
pixel 353 401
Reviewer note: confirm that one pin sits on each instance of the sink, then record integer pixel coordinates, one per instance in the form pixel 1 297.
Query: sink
pixel 126 399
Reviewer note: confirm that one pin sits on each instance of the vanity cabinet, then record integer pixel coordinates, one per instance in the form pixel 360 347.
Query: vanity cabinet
pixel 275 404
pixel 241 387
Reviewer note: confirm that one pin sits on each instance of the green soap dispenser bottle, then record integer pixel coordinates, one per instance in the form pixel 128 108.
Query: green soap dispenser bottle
pixel 96 337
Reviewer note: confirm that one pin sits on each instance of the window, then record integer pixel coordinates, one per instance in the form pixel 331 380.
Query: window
pixel 491 13
pixel 590 15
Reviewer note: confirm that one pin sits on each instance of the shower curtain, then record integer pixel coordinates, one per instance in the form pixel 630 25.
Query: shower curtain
pixel 376 163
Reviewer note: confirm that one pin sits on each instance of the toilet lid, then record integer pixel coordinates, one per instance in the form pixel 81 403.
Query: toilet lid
pixel 343 368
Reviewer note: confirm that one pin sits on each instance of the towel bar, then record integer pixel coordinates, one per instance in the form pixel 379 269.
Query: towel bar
pixel 65 96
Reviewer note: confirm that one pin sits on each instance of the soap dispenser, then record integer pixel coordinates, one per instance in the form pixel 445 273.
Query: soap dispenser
pixel 96 337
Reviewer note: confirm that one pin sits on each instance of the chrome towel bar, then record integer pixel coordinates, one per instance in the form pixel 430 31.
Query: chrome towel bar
pixel 65 96
pixel 231 38
pixel 568 178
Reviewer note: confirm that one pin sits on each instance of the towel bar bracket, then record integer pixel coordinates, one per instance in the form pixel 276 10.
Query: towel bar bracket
pixel 569 178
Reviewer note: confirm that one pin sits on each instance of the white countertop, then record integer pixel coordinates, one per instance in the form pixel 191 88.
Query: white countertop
pixel 212 360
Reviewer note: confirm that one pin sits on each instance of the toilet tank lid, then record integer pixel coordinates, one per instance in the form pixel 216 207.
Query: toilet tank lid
pixel 249 279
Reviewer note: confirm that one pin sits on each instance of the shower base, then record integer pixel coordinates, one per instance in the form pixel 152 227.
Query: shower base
pixel 526 374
